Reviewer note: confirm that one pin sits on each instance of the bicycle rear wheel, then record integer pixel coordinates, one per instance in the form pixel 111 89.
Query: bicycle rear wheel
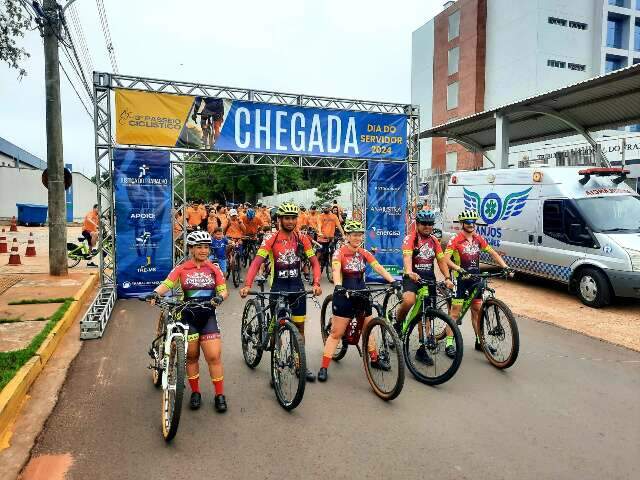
pixel 386 383
pixel 74 254
pixel 173 394
pixel 236 271
pixel 431 365
pixel 499 334
pixel 250 333
pixel 329 271
pixel 288 366
pixel 325 328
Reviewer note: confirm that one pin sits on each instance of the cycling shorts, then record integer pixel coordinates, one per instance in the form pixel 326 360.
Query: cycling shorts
pixel 349 307
pixel 203 324
pixel 297 302
pixel 409 285
pixel 87 236
pixel 464 289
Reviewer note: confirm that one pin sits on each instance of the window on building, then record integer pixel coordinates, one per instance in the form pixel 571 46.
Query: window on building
pixel 452 161
pixel 636 36
pixel 454 25
pixel 615 28
pixel 557 21
pixel 577 67
pixel 556 64
pixel 614 62
pixel 619 3
pixel 452 96
pixel 637 4
pixel 636 60
pixel 453 60
pixel 578 25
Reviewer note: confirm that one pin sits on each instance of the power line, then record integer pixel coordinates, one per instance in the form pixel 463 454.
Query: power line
pixel 79 74
pixel 82 41
pixel 107 35
pixel 75 90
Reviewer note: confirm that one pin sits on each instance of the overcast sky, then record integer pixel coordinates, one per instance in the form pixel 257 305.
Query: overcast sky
pixel 342 48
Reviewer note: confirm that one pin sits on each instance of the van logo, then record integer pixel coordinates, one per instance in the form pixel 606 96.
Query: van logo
pixel 493 208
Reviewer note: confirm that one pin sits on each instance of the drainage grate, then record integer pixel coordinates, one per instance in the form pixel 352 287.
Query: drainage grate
pixel 8 281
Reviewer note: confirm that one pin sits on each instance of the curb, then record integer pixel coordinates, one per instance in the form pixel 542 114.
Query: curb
pixel 14 394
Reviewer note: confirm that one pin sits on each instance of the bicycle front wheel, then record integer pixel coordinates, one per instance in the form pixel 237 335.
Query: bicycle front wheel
pixel 236 271
pixel 325 328
pixel 250 333
pixel 173 394
pixel 74 254
pixel 382 359
pixel 424 348
pixel 499 334
pixel 288 366
pixel 157 350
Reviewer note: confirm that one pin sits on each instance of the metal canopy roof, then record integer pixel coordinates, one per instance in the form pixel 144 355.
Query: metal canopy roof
pixel 603 102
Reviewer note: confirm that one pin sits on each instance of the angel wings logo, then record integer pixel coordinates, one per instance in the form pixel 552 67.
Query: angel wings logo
pixel 493 208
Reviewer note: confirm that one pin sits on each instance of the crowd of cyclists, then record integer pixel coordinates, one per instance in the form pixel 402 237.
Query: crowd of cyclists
pixel 292 243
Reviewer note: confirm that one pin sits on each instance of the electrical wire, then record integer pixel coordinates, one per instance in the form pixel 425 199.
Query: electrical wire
pixel 75 90
pixel 107 35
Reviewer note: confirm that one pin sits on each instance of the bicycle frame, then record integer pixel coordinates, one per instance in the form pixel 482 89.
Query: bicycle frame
pixel 173 329
pixel 481 287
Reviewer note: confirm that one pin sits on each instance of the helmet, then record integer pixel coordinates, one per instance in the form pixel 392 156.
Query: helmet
pixel 468 215
pixel 353 226
pixel 199 237
pixel 288 209
pixel 426 216
pixel 233 212
pixel 251 213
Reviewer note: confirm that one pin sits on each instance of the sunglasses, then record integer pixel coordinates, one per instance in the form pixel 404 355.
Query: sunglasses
pixel 469 222
pixel 429 224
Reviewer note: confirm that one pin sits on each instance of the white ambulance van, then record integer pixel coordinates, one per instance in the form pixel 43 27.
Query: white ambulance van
pixel 576 225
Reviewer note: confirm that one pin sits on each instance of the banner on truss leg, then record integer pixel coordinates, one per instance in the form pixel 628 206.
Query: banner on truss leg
pixel 143 238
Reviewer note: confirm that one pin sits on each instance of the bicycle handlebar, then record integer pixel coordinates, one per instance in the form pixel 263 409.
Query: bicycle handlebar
pixel 212 302
pixel 300 293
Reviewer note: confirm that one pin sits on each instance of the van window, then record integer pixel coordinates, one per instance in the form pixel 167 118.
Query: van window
pixel 558 216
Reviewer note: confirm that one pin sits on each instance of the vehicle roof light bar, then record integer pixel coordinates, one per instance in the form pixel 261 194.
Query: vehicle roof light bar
pixel 603 172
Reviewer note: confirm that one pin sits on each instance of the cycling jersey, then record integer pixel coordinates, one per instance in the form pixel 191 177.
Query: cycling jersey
pixel 252 226
pixel 352 265
pixel 466 253
pixel 196 281
pixel 219 247
pixel 327 224
pixel 424 250
pixel 212 107
pixel 235 229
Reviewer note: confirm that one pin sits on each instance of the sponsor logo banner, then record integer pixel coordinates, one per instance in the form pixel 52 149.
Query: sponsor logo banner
pixel 386 204
pixel 216 124
pixel 143 216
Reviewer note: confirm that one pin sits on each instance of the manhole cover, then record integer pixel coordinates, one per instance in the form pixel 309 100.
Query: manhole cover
pixel 8 281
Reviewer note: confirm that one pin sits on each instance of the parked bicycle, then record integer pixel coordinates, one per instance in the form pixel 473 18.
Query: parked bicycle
pixel 378 334
pixel 78 252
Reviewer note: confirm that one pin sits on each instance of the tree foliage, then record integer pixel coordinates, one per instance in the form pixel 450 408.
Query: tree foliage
pixel 326 192
pixel 14 21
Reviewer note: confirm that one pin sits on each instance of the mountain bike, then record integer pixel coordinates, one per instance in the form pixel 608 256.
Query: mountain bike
pixel 249 251
pixel 499 336
pixel 386 385
pixel 326 254
pixel 235 260
pixel 424 328
pixel 76 253
pixel 168 357
pixel 267 326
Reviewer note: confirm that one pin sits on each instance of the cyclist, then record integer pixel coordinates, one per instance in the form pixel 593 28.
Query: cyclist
pixel 285 249
pixel 201 279
pixel 221 215
pixel 348 264
pixel 252 226
pixel 312 221
pixel 219 248
pixel 234 231
pixel 419 251
pixel 465 249
pixel 90 227
pixel 327 225
pixel 263 214
pixel 211 118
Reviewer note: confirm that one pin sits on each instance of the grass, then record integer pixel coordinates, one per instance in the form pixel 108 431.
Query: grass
pixel 35 301
pixel 10 362
pixel 10 320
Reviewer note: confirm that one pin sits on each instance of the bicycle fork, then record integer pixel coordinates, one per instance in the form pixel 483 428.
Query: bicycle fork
pixel 167 352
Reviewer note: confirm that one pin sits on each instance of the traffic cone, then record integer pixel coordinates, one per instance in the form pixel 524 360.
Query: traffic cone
pixel 14 257
pixel 14 225
pixel 31 247
pixel 3 243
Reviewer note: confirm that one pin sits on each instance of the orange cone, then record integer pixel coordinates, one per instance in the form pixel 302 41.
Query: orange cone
pixel 31 247
pixel 14 225
pixel 3 243
pixel 14 257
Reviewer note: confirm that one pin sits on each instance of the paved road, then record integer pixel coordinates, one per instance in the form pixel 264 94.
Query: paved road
pixel 568 409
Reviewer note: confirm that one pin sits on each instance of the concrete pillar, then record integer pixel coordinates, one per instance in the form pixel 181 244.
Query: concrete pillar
pixel 502 140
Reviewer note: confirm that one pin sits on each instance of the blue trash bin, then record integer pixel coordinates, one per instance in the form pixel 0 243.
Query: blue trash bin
pixel 30 214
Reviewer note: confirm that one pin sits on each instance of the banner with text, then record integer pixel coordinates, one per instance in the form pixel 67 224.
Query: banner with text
pixel 386 205
pixel 209 123
pixel 142 185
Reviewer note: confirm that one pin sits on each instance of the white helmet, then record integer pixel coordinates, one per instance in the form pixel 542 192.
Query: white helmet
pixel 233 212
pixel 199 237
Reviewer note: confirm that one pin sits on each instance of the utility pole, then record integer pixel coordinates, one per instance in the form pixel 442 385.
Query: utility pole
pixel 275 181
pixel 55 162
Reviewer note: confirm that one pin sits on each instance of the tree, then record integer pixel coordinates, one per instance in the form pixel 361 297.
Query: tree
pixel 13 22
pixel 326 192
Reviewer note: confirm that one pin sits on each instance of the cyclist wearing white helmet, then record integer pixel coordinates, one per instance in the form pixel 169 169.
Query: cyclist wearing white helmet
pixel 200 279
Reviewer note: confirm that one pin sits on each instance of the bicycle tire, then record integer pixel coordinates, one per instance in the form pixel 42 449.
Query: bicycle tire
pixel 236 272
pixel 156 371
pixel 177 358
pixel 301 365
pixel 74 253
pixel 389 305
pixel 386 350
pixel 419 371
pixel 325 329
pixel 329 272
pixel 515 334
pixel 252 362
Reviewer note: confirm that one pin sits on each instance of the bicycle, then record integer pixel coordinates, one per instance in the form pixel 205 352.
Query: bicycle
pixel 380 332
pixel 267 326
pixel 249 251
pixel 499 335
pixel 76 253
pixel 425 326
pixel 235 259
pixel 326 255
pixel 168 358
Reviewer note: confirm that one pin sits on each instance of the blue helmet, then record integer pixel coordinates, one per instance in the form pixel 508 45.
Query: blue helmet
pixel 426 216
pixel 251 213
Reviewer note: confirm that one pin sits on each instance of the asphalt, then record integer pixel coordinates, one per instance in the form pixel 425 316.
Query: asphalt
pixel 567 409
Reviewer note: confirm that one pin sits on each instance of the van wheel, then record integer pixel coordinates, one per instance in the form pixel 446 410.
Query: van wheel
pixel 593 288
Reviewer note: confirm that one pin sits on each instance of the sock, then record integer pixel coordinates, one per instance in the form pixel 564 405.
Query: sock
pixel 373 355
pixel 218 385
pixel 449 340
pixel 477 339
pixel 326 361
pixel 194 383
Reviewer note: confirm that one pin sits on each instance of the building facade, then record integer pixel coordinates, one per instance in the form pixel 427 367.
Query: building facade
pixel 479 54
